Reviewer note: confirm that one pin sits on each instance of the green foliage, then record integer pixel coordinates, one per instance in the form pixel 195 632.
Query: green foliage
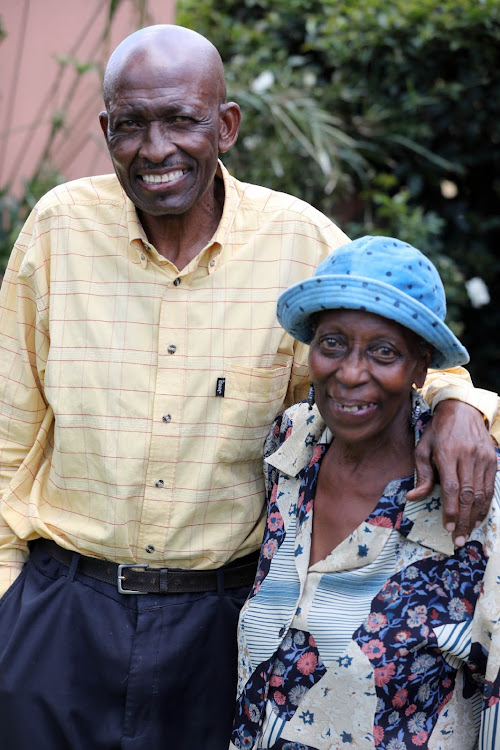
pixel 396 101
pixel 15 210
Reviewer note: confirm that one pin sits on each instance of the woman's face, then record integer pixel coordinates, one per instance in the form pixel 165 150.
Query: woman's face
pixel 363 367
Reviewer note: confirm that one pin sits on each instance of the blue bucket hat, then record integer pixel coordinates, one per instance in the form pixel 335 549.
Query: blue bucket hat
pixel 380 275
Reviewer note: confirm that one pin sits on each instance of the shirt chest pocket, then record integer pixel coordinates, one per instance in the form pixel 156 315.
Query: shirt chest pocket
pixel 253 397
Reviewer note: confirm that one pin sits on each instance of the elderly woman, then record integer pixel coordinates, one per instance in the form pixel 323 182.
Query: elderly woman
pixel 366 628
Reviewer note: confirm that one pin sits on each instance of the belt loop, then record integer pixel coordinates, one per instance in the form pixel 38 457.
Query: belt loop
pixel 163 580
pixel 220 581
pixel 74 564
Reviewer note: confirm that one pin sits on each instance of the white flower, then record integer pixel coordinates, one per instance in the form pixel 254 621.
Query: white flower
pixel 251 142
pixel 448 189
pixel 263 82
pixel 477 291
pixel 309 79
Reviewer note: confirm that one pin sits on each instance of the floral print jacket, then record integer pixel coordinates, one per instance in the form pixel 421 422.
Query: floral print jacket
pixel 391 642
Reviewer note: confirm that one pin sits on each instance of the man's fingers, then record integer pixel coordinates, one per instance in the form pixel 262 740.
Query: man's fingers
pixel 425 470
pixel 422 488
pixel 450 498
pixel 464 522
pixel 480 508
pixel 484 487
pixel 466 468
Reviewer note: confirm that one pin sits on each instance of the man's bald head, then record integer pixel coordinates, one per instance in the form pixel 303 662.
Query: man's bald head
pixel 167 121
pixel 156 46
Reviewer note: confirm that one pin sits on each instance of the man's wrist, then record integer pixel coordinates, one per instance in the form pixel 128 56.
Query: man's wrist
pixel 486 402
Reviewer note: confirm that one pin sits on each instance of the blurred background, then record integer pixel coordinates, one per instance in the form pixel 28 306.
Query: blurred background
pixel 384 114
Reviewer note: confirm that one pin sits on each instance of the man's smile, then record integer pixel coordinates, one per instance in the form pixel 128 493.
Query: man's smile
pixel 153 179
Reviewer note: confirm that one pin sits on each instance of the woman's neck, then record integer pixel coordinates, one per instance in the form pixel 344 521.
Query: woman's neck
pixel 350 484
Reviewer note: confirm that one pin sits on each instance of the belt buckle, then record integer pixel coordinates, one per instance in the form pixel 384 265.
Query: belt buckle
pixel 120 577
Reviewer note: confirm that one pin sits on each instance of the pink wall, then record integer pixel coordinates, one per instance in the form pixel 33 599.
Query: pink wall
pixel 33 86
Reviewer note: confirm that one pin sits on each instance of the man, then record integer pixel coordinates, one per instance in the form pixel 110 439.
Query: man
pixel 142 366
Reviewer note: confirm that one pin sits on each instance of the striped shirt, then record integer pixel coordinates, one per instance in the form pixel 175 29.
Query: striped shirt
pixel 134 398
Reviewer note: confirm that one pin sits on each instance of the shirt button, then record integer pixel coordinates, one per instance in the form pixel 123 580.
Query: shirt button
pixel 143 257
pixel 167 417
pixel 212 262
pixel 159 483
pixel 171 349
pixel 177 282
pixel 150 549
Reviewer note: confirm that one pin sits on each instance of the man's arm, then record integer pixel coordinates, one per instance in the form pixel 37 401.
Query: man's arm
pixel 458 447
pixel 23 353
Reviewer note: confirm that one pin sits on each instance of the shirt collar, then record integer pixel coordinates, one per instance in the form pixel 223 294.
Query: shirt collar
pixel 294 454
pixel 232 201
pixel 139 240
pixel 422 521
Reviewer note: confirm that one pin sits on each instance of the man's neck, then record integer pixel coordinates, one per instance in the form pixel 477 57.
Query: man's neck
pixel 179 238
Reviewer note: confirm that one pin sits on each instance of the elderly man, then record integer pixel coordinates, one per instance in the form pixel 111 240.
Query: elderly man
pixel 141 367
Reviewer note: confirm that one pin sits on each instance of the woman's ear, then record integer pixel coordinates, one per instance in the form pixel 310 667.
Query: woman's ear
pixel 422 365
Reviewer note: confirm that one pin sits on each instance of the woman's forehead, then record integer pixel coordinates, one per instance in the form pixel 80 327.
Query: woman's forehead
pixel 361 322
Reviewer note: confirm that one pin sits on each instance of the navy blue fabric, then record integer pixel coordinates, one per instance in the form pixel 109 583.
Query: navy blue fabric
pixel 83 667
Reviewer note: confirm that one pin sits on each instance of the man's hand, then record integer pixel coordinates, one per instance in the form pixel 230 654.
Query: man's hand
pixel 457 445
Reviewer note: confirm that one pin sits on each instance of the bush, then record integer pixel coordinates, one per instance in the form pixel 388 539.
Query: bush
pixel 385 114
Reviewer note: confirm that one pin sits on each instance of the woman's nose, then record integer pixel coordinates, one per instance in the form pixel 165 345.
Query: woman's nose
pixel 352 369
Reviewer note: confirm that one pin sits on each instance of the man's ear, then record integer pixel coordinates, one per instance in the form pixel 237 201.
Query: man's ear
pixel 230 119
pixel 103 121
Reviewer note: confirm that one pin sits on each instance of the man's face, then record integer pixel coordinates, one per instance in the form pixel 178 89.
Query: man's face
pixel 164 127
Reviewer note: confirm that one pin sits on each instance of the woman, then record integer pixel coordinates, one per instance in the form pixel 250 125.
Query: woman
pixel 365 627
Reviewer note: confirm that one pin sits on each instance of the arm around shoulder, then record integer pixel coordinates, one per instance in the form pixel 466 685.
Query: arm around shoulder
pixel 456 383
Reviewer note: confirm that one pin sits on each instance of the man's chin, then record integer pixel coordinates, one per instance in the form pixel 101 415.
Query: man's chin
pixel 160 210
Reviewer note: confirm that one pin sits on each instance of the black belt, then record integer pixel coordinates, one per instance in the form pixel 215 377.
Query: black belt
pixel 134 578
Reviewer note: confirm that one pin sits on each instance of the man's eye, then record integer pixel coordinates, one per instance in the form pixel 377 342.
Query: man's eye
pixel 127 125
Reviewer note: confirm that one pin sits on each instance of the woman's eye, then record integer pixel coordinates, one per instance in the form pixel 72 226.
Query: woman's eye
pixel 385 352
pixel 331 343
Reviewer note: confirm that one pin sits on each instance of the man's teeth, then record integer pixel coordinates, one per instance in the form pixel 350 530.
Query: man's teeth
pixel 150 178
pixel 354 408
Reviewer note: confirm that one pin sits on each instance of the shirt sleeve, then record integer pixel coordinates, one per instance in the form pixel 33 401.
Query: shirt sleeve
pixel 456 383
pixel 299 377
pixel 23 354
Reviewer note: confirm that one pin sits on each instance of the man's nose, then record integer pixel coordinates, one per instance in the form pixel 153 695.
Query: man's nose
pixel 157 143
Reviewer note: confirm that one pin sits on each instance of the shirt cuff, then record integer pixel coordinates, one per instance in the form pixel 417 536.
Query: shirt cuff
pixel 485 401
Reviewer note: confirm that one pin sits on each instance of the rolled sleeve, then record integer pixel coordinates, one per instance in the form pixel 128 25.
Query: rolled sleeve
pixel 456 383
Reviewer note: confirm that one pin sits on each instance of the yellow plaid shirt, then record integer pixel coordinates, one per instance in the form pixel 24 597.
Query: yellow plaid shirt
pixel 134 398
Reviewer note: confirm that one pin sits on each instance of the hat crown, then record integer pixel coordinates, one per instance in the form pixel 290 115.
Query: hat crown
pixel 389 261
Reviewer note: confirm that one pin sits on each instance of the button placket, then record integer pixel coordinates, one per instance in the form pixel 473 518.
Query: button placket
pixel 168 411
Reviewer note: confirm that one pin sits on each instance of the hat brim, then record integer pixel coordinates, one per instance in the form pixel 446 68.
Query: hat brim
pixel 298 303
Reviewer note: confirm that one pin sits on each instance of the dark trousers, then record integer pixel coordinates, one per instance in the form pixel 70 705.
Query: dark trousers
pixel 83 667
